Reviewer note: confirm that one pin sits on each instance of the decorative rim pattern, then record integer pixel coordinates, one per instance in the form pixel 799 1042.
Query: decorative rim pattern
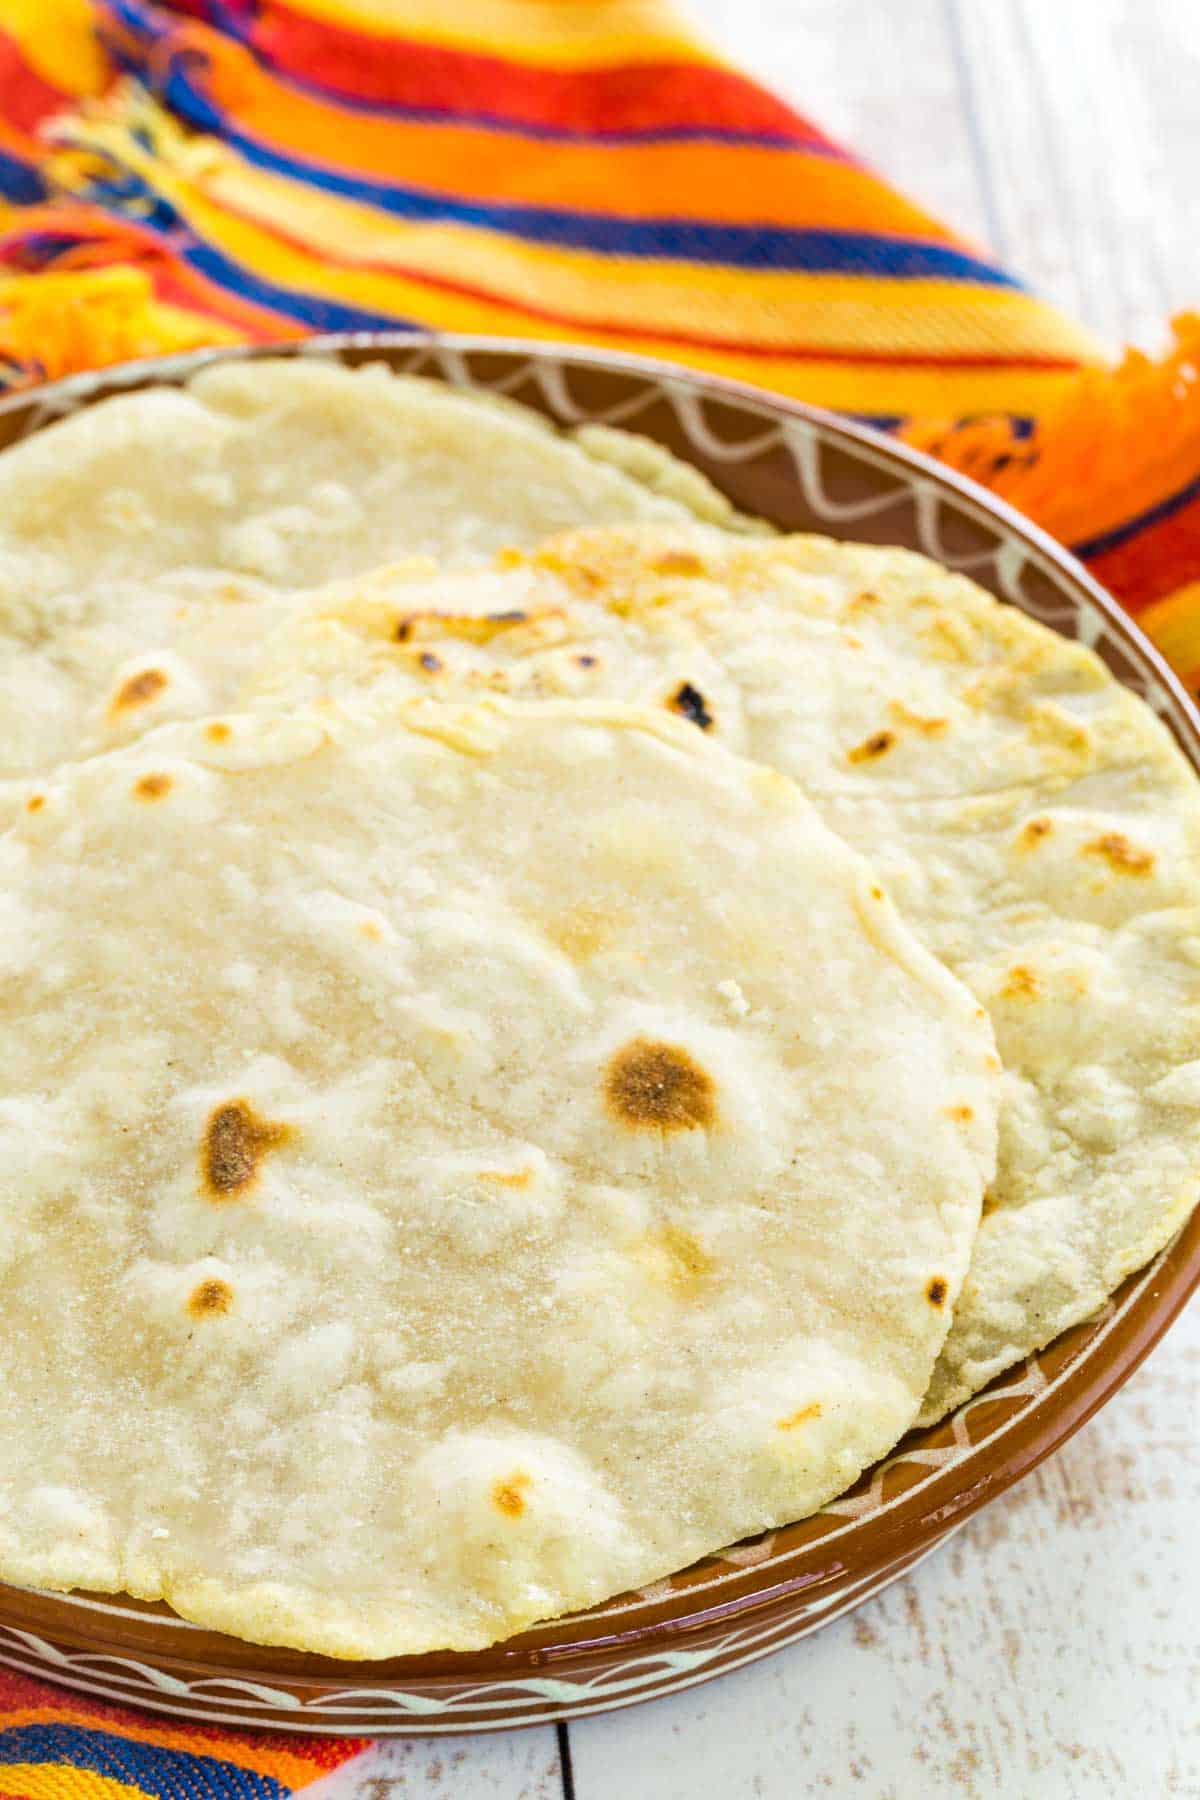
pixel 498 1705
pixel 804 470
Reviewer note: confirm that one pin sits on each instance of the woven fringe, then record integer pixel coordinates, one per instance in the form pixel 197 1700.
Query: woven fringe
pixel 58 324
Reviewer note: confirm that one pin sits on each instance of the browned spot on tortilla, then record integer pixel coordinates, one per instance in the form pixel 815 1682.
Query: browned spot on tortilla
pixel 877 893
pixel 583 931
pixel 513 1178
pixel 35 803
pixel 950 638
pixel 1120 854
pixel 1033 833
pixel 586 660
pixel 690 704
pixel 657 1087
pixel 152 787
pixel 675 1259
pixel 235 1142
pixel 861 602
pixel 212 1296
pixel 677 562
pixel 878 744
pixel 1020 984
pixel 508 1496
pixel 371 928
pixel 811 1411
pixel 918 721
pixel 468 628
pixel 992 1061
pixel 990 1201
pixel 509 557
pixel 138 690
pixel 218 732
pixel 429 662
pixel 962 1113
pixel 937 1290
pixel 582 576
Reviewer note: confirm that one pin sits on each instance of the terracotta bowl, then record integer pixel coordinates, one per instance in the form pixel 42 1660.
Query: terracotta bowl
pixel 804 471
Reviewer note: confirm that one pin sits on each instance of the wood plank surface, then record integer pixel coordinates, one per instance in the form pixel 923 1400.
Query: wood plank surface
pixel 1089 119
pixel 1052 1650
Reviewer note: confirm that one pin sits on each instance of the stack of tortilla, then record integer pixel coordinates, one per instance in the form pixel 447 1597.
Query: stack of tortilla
pixel 543 1026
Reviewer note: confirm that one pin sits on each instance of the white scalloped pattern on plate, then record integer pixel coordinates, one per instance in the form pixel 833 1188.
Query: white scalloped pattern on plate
pixel 380 1712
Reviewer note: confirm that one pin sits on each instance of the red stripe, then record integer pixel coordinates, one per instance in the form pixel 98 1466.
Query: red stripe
pixel 1154 562
pixel 247 1749
pixel 178 285
pixel 400 72
pixel 103 241
pixel 630 328
pixel 26 98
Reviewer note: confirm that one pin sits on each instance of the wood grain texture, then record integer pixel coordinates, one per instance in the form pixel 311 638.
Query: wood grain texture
pixel 518 1765
pixel 880 75
pixel 1049 1652
pixel 1089 117
pixel 1052 1650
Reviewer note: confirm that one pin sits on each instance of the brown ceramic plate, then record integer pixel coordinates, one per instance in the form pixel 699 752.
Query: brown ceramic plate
pixel 804 471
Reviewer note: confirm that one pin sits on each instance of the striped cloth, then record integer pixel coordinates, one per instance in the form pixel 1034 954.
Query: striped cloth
pixel 229 170
pixel 220 170
pixel 57 1745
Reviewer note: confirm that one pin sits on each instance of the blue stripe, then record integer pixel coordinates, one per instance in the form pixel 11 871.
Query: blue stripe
pixel 1121 534
pixel 308 309
pixel 877 421
pixel 679 240
pixel 166 1774
pixel 135 21
pixel 553 134
pixel 123 191
pixel 19 181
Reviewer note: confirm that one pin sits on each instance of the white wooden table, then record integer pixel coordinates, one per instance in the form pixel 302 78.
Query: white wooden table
pixel 1052 1651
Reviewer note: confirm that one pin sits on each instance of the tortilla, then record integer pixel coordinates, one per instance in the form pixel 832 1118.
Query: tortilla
pixel 149 542
pixel 1032 818
pixel 435 1208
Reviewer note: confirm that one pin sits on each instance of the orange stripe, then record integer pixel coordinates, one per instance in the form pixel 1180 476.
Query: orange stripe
pixel 19 143
pixel 105 241
pixel 675 338
pixel 725 183
pixel 292 1767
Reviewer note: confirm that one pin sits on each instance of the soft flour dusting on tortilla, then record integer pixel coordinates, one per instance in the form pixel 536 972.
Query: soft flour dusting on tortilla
pixel 1031 817
pixel 149 543
pixel 577 1187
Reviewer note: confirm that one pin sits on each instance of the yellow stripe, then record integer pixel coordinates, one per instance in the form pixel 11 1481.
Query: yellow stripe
pixel 847 386
pixel 66 53
pixel 566 34
pixel 1174 625
pixel 855 387
pixel 51 1781
pixel 292 1768
pixel 763 308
